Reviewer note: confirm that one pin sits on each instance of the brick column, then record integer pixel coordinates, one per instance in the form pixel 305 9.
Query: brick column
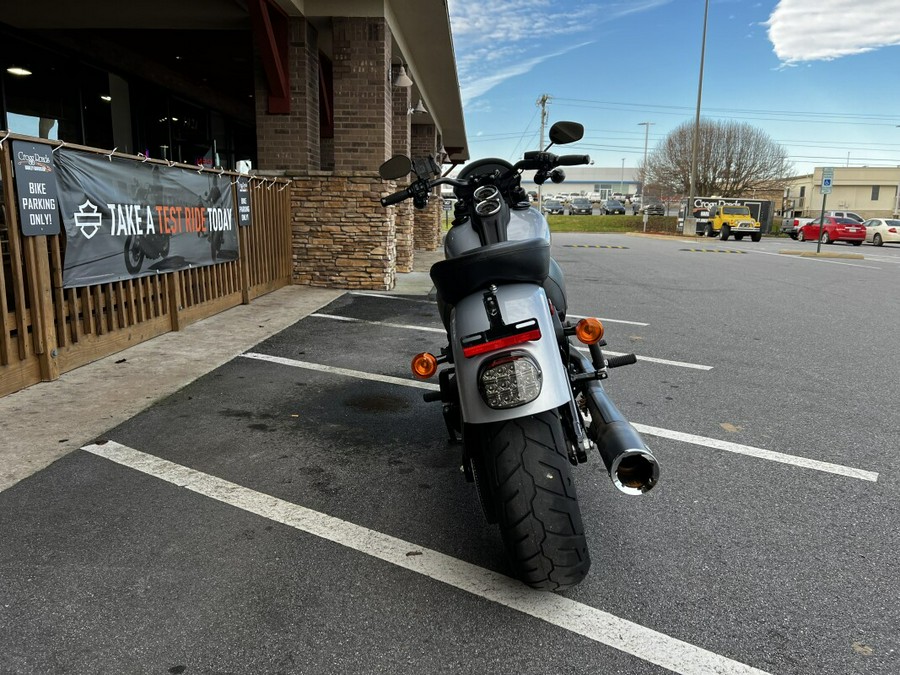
pixel 403 212
pixel 362 93
pixel 427 222
pixel 290 142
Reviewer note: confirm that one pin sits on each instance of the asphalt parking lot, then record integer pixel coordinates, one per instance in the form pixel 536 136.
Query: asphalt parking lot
pixel 299 510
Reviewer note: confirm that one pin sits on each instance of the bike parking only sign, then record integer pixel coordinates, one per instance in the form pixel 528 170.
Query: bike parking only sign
pixel 827 180
pixel 36 187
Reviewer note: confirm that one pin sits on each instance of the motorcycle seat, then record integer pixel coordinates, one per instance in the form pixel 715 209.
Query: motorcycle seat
pixel 525 261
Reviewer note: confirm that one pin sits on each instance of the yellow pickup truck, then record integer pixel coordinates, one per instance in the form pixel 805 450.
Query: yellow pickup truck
pixel 732 219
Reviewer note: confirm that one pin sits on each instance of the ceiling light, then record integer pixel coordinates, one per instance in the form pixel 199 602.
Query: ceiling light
pixel 106 98
pixel 20 72
pixel 420 108
pixel 402 79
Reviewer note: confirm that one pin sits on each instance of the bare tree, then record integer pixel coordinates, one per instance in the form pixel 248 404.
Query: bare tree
pixel 733 159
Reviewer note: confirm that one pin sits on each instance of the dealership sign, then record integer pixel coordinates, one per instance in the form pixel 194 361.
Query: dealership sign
pixel 126 219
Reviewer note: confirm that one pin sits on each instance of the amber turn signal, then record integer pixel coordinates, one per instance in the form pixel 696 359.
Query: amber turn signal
pixel 424 365
pixel 589 331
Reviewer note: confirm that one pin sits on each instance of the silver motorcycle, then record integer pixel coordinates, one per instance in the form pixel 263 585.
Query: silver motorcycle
pixel 523 401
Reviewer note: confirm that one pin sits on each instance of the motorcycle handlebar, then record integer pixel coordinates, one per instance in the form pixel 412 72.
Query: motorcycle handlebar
pixel 573 160
pixel 395 198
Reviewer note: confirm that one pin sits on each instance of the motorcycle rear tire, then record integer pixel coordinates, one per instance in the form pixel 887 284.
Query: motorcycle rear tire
pixel 534 499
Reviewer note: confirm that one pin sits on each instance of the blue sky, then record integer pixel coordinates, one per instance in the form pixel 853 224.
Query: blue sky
pixel 819 76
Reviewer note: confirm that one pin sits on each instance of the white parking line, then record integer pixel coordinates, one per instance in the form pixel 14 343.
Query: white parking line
pixel 651 359
pixel 390 297
pixel 342 371
pixel 626 636
pixel 704 441
pixel 602 319
pixel 882 258
pixel 750 451
pixel 820 260
pixel 320 315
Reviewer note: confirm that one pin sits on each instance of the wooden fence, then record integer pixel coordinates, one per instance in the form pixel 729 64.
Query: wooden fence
pixel 46 330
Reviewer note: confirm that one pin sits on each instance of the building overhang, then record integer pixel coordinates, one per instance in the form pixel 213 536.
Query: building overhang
pixel 424 42
pixel 421 31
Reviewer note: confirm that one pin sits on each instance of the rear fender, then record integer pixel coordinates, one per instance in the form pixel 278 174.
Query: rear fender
pixel 517 302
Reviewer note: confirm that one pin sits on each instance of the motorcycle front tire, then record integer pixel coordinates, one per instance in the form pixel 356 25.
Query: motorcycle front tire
pixel 533 497
pixel 134 254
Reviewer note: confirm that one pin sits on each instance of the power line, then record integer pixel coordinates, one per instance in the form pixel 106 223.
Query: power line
pixel 891 119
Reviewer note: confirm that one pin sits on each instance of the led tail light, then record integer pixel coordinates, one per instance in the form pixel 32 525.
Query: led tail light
pixel 510 380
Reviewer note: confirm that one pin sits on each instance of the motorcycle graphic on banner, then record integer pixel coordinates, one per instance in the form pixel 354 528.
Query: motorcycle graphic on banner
pixel 125 219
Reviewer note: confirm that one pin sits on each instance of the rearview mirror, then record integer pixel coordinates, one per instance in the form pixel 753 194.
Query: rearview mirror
pixel 566 132
pixel 396 167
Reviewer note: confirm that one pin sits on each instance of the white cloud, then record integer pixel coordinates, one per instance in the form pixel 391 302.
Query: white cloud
pixel 816 30
pixel 500 40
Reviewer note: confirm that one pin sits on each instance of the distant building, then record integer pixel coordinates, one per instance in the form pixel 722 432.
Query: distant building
pixel 588 179
pixel 870 192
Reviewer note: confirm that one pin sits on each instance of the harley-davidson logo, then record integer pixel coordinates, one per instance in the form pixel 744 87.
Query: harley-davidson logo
pixel 88 219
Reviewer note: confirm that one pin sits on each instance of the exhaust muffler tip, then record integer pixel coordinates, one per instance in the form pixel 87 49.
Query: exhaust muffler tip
pixel 634 472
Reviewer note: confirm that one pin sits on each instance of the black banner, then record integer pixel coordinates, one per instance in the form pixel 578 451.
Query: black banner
pixel 36 185
pixel 127 219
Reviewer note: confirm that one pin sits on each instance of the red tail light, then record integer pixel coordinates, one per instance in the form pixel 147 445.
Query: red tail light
pixel 506 336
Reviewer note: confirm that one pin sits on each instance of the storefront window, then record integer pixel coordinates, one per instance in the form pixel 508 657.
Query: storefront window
pixel 40 91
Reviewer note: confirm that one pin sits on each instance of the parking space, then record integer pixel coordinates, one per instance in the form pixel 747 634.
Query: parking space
pixel 299 508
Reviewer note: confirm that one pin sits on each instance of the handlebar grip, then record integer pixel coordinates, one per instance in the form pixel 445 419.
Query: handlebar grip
pixel 573 160
pixel 395 198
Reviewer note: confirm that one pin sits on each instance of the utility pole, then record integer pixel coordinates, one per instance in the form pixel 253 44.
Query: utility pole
pixel 689 218
pixel 646 126
pixel 542 101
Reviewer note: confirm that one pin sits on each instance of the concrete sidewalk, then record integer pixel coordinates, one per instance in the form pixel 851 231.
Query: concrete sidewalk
pixel 46 421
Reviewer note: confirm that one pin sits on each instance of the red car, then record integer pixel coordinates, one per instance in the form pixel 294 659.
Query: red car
pixel 836 229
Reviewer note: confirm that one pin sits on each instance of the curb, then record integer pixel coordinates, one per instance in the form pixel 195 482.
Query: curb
pixel 813 254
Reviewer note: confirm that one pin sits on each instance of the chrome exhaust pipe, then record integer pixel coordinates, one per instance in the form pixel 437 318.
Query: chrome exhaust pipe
pixel 632 467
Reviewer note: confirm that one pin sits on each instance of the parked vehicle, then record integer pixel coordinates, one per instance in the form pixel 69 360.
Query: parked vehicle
pixel 653 208
pixel 612 207
pixel 581 206
pixel 836 229
pixel 846 214
pixel 727 219
pixel 522 401
pixel 619 196
pixel 554 207
pixel 880 230
pixel 595 197
pixel 790 226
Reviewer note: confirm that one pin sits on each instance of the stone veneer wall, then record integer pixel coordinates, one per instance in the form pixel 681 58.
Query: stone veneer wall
pixel 405 235
pixel 342 236
pixel 427 225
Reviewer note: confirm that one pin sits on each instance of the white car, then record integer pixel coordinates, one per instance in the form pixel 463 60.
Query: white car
pixel 846 214
pixel 880 230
